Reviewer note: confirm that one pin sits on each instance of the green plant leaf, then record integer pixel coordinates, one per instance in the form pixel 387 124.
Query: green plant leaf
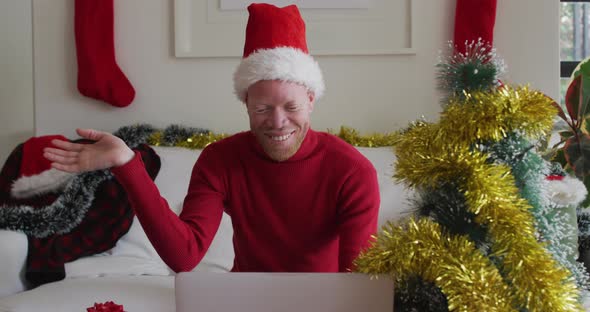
pixel 585 89
pixel 565 134
pixel 584 67
pixel 586 125
pixel 577 154
pixel 559 157
pixel 578 68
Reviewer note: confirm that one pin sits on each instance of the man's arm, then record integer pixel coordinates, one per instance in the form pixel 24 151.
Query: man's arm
pixel 180 241
pixel 358 214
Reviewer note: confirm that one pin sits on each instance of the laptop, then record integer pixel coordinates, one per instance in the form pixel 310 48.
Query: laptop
pixel 282 292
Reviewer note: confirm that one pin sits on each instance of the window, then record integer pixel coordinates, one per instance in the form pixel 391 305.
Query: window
pixel 574 37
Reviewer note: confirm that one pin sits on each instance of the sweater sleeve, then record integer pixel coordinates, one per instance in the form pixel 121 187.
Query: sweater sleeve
pixel 181 241
pixel 358 214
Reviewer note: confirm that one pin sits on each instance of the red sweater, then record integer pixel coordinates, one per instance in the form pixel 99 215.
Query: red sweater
pixel 311 213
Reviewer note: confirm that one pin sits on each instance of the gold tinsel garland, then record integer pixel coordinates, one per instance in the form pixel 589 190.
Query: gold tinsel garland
pixel 196 141
pixel 428 154
pixel 468 279
pixel 350 135
pixel 489 116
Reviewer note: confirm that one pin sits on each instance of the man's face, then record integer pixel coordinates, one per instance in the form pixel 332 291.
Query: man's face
pixel 279 115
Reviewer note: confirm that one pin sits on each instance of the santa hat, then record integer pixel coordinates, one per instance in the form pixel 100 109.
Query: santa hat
pixel 276 49
pixel 36 176
pixel 474 20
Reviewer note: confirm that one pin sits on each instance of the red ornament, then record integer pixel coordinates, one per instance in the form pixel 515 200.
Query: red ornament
pixel 108 306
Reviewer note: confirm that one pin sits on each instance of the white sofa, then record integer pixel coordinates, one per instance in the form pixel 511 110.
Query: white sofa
pixel 132 274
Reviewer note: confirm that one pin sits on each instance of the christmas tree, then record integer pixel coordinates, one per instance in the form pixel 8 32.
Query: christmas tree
pixel 486 235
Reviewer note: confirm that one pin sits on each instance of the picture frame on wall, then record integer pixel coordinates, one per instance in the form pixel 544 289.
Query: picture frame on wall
pixel 215 28
pixel 302 4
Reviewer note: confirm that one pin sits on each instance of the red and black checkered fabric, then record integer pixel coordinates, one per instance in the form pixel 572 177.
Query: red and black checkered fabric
pixel 108 219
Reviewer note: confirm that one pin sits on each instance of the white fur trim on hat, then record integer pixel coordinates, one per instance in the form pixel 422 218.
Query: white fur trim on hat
pixel 569 191
pixel 283 63
pixel 45 182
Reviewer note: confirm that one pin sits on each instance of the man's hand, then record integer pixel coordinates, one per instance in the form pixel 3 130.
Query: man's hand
pixel 107 151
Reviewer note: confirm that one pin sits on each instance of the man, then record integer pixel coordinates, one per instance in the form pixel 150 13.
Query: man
pixel 299 200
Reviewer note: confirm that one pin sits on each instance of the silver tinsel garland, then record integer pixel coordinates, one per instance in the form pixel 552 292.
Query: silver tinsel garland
pixel 60 217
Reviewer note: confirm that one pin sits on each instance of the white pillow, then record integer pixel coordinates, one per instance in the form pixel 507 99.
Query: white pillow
pixel 175 173
pixel 107 265
pixel 172 181
pixel 14 256
pixel 394 196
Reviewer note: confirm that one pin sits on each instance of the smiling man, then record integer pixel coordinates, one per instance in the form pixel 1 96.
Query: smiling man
pixel 299 200
pixel 279 114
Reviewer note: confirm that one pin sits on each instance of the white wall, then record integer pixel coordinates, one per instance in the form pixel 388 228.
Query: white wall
pixel 16 74
pixel 527 38
pixel 370 93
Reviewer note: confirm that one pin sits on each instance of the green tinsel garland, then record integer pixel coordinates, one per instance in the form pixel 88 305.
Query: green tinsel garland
pixel 447 206
pixel 478 69
pixel 416 295
pixel 584 231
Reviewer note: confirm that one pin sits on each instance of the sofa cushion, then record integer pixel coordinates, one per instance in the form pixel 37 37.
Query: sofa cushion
pixel 135 293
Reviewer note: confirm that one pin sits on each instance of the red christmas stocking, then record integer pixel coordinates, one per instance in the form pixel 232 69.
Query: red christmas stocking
pixel 99 76
pixel 474 19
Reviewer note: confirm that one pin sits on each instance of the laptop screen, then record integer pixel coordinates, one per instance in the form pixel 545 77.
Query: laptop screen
pixel 284 292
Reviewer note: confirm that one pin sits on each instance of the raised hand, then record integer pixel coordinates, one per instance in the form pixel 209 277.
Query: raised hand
pixel 107 151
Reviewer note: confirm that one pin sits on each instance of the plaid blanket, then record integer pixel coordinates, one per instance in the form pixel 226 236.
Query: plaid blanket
pixel 108 218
